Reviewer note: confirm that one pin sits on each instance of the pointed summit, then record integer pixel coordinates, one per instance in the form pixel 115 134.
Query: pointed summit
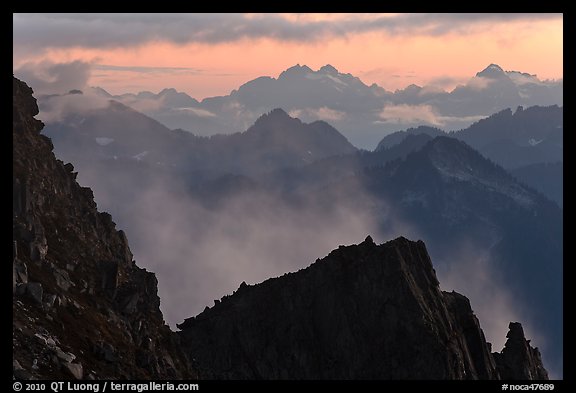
pixel 518 360
pixel 493 71
pixel 328 69
pixel 272 119
pixel 296 70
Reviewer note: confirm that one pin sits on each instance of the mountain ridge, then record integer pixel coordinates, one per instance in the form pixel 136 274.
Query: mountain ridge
pixel 258 331
pixel 82 308
pixel 55 280
pixel 361 112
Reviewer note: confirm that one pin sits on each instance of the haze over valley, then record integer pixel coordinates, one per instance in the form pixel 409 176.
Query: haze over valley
pixel 216 191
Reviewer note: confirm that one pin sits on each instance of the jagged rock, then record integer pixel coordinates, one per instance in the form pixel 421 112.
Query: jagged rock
pixel 49 300
pixel 109 278
pixel 365 311
pixel 64 241
pixel 518 360
pixel 16 365
pixel 38 250
pixel 131 303
pixel 61 301
pixel 74 369
pixel 469 329
pixel 46 340
pixel 62 279
pixel 34 291
pixel 38 247
pixel 125 249
pixel 67 357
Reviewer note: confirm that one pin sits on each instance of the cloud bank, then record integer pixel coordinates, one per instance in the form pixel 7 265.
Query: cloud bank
pixel 43 31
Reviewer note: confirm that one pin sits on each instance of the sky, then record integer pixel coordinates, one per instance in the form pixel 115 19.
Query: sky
pixel 207 55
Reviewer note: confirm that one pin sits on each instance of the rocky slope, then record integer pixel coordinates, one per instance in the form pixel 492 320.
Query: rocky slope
pixel 365 311
pixel 81 307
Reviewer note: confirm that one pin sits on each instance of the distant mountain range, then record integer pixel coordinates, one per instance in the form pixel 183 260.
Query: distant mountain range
pixel 362 113
pixel 529 142
pixel 517 140
pixel 118 132
pixel 308 181
pixel 83 309
pixel 446 193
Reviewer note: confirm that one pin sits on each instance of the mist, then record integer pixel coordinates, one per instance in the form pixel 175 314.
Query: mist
pixel 204 236
pixel 472 274
pixel 202 249
pixel 46 77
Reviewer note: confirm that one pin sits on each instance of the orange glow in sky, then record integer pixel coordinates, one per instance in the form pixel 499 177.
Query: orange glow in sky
pixel 393 57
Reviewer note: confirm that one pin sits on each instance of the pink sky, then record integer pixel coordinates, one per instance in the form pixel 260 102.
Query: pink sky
pixel 212 54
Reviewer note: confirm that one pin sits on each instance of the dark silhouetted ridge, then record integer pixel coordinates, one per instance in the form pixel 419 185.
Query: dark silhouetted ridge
pixel 365 311
pixel 82 309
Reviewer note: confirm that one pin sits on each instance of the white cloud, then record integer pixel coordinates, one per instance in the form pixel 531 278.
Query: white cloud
pixel 406 114
pixel 477 83
pixel 197 112
pixel 46 77
pixel 144 105
pixel 410 114
pixel 322 113
pixel 325 113
pixel 58 108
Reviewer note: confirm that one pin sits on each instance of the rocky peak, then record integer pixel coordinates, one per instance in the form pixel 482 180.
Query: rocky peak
pixel 328 69
pixel 296 70
pixel 272 120
pixel 518 360
pixel 365 311
pixel 493 71
pixel 81 307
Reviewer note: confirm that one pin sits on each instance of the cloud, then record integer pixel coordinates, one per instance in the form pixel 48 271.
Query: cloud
pixel 148 70
pixel 197 111
pixel 322 113
pixel 494 305
pixel 406 114
pixel 43 31
pixel 200 253
pixel 58 108
pixel 46 77
pixel 52 81
pixel 477 83
pixel 410 114
pixel 145 105
pixel 445 82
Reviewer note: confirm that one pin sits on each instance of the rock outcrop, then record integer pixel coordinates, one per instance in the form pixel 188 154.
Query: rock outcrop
pixel 82 309
pixel 365 311
pixel 518 360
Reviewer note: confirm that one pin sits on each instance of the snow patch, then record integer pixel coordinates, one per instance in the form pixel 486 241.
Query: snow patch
pixel 337 80
pixel 324 76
